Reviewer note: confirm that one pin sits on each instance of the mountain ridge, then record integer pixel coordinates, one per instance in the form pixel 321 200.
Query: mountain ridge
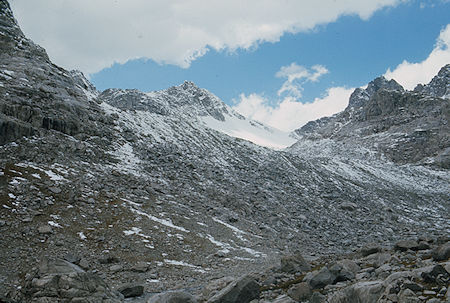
pixel 409 126
pixel 133 194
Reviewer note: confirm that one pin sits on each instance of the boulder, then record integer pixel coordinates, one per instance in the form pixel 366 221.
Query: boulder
pixel 294 263
pixel 408 296
pixel 349 265
pixel 322 278
pixel 45 229
pixel 115 268
pixel 62 281
pixel 317 297
pixel 341 273
pixel 405 245
pixel 131 290
pixel 242 290
pixel 140 266
pixel 173 297
pixel 47 267
pixel 442 253
pixel 367 292
pixel 370 249
pixel 72 258
pixel 438 274
pixel 214 286
pixel 300 291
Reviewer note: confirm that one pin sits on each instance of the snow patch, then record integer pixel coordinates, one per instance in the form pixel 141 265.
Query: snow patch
pixel 225 247
pixel 53 176
pixel 165 222
pixel 182 263
pixel 252 131
pixel 17 180
pixel 128 160
pixel 253 252
pixel 54 224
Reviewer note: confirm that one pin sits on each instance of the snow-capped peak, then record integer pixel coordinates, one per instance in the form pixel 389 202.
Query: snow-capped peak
pixel 203 108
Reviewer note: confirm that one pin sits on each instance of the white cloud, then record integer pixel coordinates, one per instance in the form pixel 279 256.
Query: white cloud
pixel 91 35
pixel 290 114
pixel 410 74
pixel 297 75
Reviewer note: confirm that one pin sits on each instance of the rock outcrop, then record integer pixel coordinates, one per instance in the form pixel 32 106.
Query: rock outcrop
pixel 62 281
pixel 405 126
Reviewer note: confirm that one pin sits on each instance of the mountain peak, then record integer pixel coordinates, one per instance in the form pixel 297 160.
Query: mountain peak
pixel 360 96
pixel 8 26
pixel 439 86
pixel 189 85
pixel 445 71
pixel 12 39
pixel 382 83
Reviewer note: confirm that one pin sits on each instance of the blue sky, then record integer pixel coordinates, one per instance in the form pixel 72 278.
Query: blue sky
pixel 280 64
pixel 354 51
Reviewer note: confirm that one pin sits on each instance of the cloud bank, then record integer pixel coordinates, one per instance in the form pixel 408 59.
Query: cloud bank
pixel 410 74
pixel 290 113
pixel 92 35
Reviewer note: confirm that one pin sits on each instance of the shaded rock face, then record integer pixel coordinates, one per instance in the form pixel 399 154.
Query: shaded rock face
pixel 36 95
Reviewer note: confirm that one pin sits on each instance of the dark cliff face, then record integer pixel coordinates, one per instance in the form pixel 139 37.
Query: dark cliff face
pixel 12 40
pixel 36 95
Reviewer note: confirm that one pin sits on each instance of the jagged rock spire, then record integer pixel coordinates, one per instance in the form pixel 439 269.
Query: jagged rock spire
pixel 439 86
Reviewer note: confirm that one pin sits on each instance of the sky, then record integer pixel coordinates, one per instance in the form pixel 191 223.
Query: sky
pixel 281 62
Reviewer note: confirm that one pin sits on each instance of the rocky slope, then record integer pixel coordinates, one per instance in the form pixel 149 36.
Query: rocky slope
pixel 142 187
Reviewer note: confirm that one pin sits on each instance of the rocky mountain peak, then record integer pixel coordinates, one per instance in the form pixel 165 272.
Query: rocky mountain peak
pixel 9 27
pixel 12 39
pixel 382 83
pixel 439 86
pixel 189 85
pixel 360 96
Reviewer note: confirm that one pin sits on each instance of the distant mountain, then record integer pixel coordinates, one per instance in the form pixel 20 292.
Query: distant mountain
pixel 405 126
pixel 155 188
pixel 189 102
